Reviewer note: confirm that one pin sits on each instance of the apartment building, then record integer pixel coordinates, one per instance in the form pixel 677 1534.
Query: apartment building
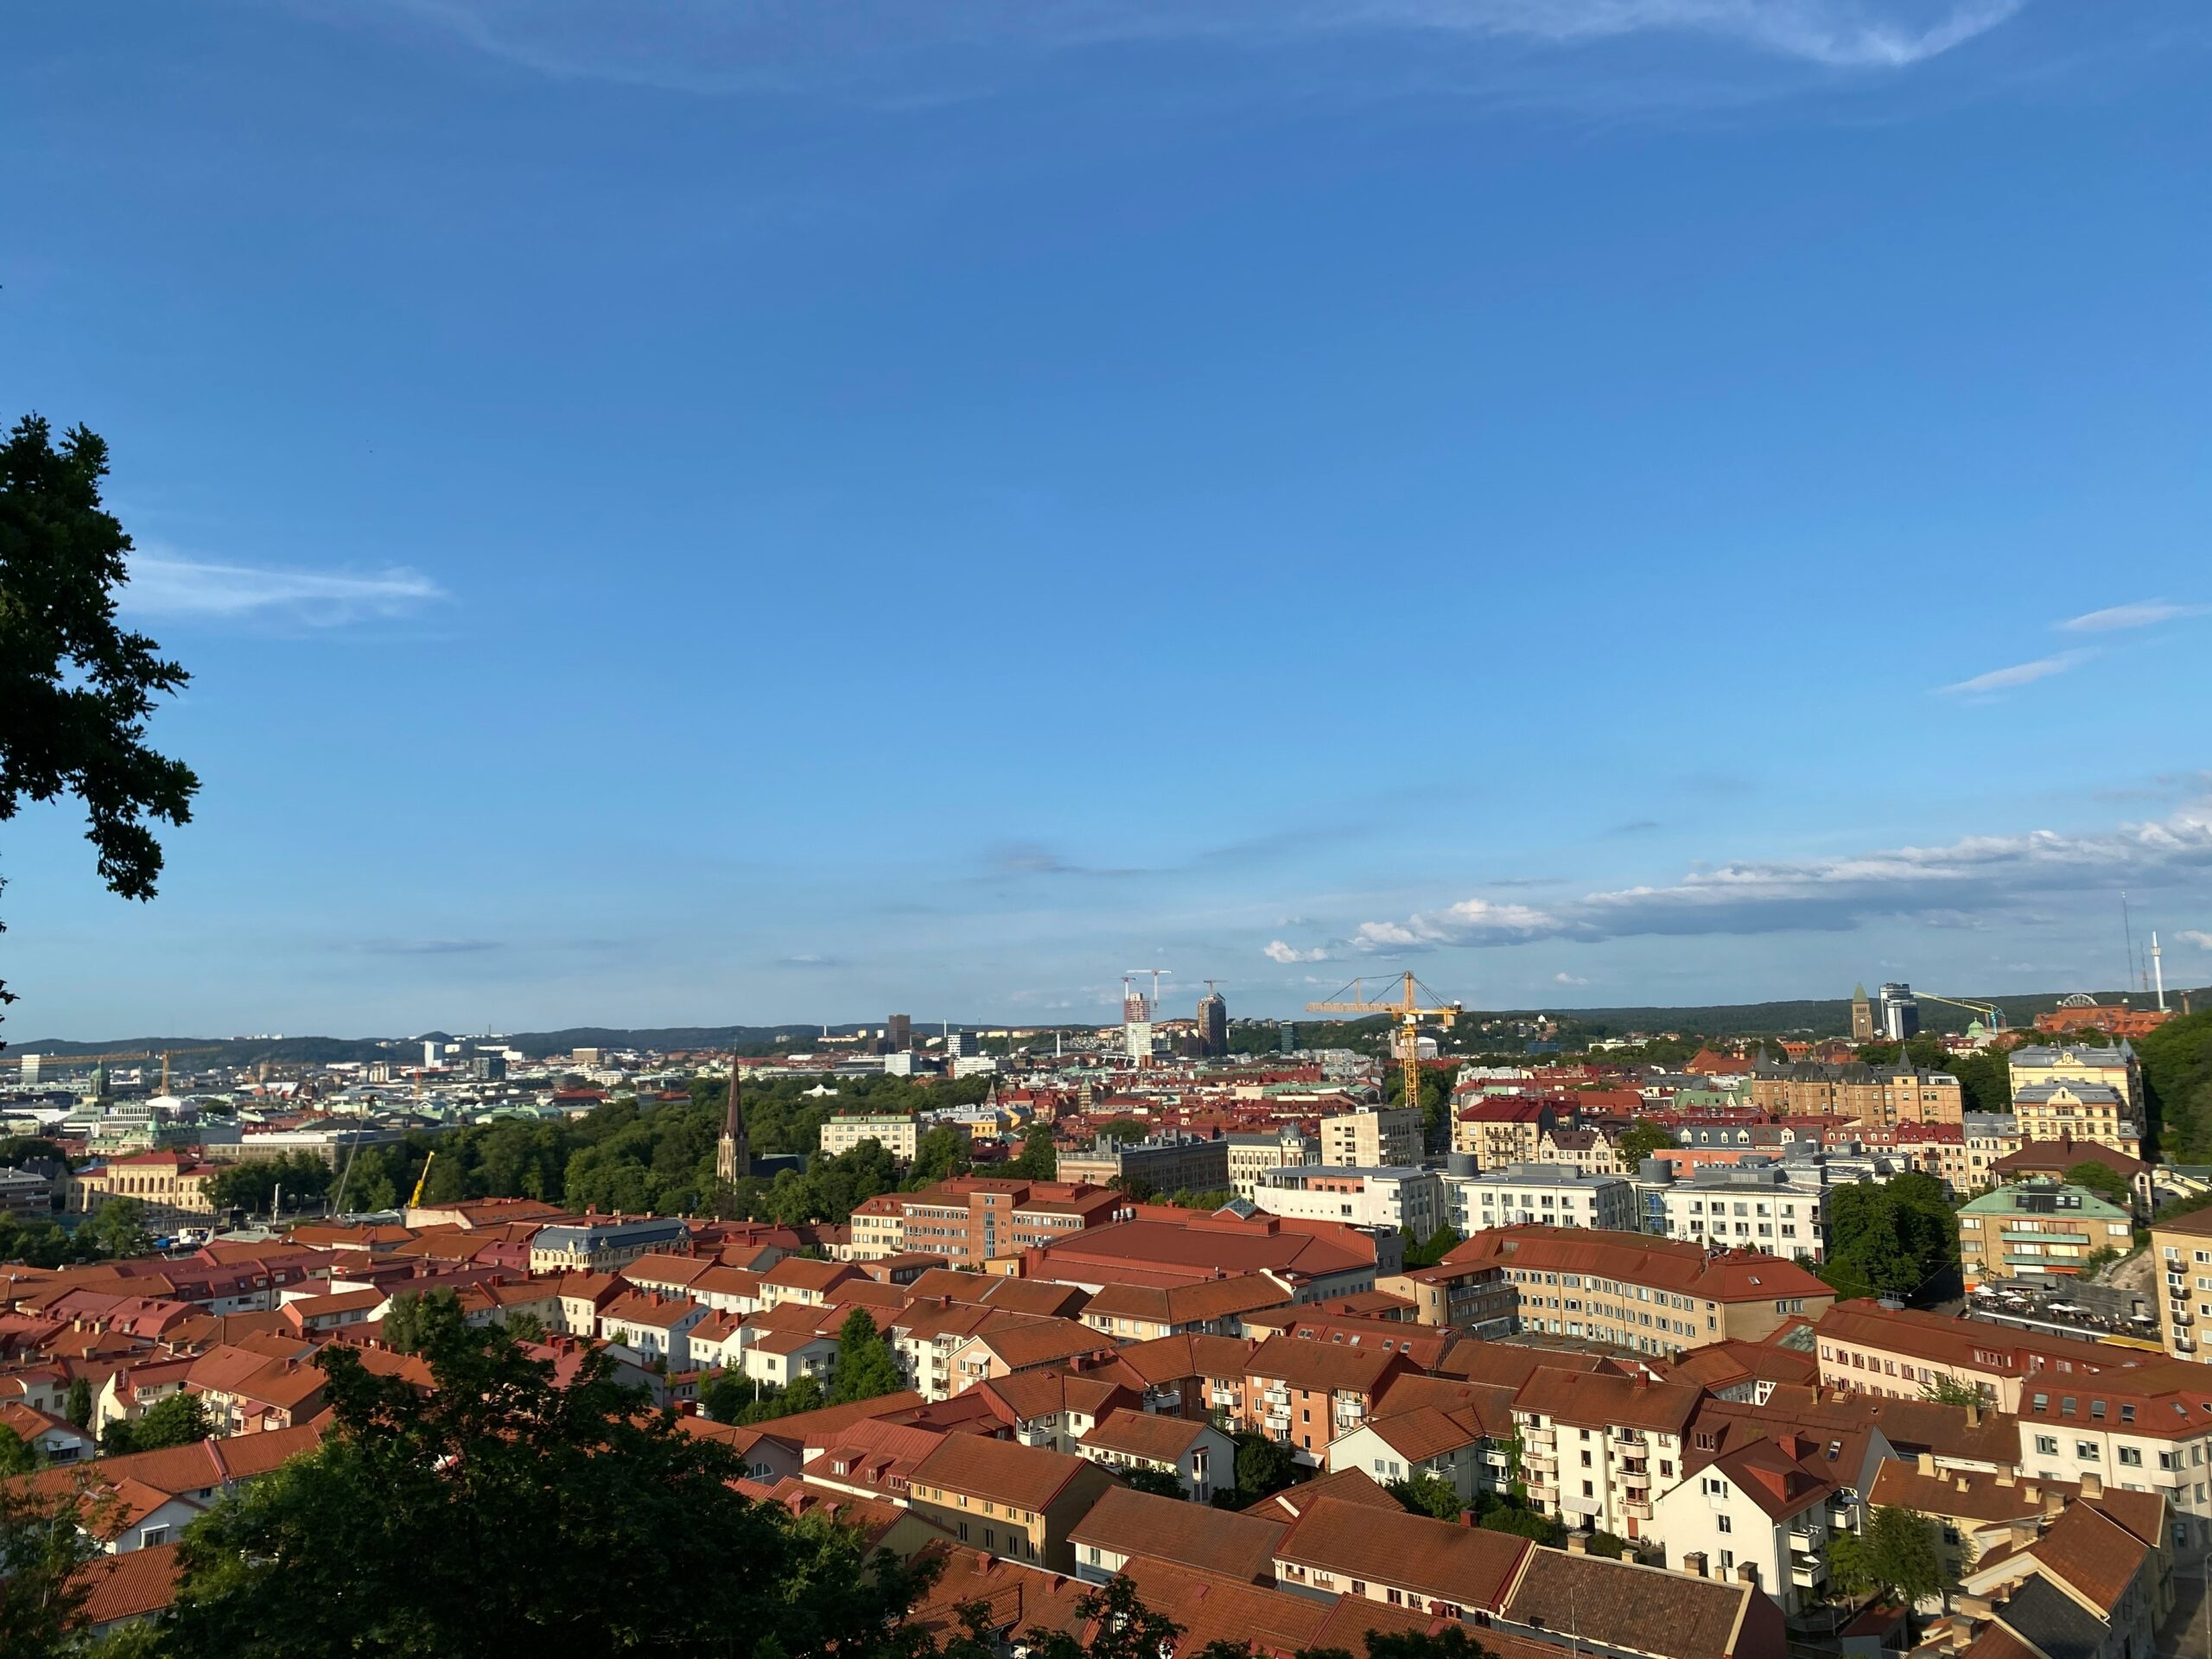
pixel 1250 1156
pixel 1212 1307
pixel 2118 1069
pixel 603 1245
pixel 1587 1151
pixel 2038 1229
pixel 2053 1159
pixel 1472 1297
pixel 1016 1502
pixel 1304 1393
pixel 1765 1509
pixel 1780 1208
pixel 1166 1163
pixel 2182 1249
pixel 1373 1137
pixel 971 1219
pixel 1316 1260
pixel 2080 1111
pixel 898 1133
pixel 1989 1137
pixel 1556 1195
pixel 1650 1295
pixel 1872 1096
pixel 1597 1449
pixel 2136 1422
pixel 1404 1196
pixel 169 1184
pixel 1496 1130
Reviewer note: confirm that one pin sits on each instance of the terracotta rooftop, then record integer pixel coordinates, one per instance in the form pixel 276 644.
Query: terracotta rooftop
pixel 1125 1522
pixel 1005 1471
pixel 1470 1566
pixel 1630 1608
pixel 1146 1435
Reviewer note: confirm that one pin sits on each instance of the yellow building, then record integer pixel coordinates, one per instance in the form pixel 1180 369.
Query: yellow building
pixel 171 1181
pixel 2116 1068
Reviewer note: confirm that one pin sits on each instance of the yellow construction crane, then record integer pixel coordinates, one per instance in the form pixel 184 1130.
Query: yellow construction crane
pixel 1409 1015
pixel 121 1056
pixel 414 1200
pixel 1988 1011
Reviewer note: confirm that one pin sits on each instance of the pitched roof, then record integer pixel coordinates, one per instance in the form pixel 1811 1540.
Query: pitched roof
pixel 1202 1303
pixel 1594 1400
pixel 1346 1485
pixel 1689 1269
pixel 1629 1607
pixel 129 1583
pixel 1125 1522
pixel 1323 1367
pixel 1145 1434
pixel 1471 1567
pixel 1028 1477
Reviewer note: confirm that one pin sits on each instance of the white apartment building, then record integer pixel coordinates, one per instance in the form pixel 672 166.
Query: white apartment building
pixel 896 1133
pixel 1756 1205
pixel 1598 1451
pixel 1391 1196
pixel 1373 1137
pixel 1558 1194
pixel 1768 1506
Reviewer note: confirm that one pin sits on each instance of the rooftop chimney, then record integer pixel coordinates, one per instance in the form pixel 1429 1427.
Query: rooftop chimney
pixel 2093 1486
pixel 1927 1463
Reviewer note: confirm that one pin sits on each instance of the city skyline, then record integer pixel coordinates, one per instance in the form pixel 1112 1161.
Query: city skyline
pixel 1663 505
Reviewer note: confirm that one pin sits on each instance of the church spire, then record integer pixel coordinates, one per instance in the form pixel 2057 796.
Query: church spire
pixel 734 1153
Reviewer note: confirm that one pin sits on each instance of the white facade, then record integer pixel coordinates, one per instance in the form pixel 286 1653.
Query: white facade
pixel 1403 1196
pixel 1557 1194
pixel 1766 1209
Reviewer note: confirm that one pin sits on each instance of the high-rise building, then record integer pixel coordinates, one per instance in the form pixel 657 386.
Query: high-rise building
pixel 899 1031
pixel 1862 1015
pixel 958 1045
pixel 1213 1026
pixel 1900 1014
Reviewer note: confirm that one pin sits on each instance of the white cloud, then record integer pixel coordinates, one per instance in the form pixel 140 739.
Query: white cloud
pixel 167 584
pixel 1977 878
pixel 2191 936
pixel 1568 979
pixel 2004 679
pixel 900 47
pixel 1277 950
pixel 2141 615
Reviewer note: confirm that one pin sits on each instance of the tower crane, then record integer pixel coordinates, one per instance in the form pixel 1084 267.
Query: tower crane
pixel 1988 1011
pixel 415 1199
pixel 1408 1013
pixel 1155 972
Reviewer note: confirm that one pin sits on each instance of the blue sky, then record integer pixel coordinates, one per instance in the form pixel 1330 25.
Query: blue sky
pixel 774 511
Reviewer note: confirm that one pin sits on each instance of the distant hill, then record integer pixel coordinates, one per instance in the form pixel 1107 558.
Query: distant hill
pixel 1821 1017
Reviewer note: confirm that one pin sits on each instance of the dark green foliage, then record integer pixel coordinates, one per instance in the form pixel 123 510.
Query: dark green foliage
pixel 42 1549
pixel 414 1320
pixel 1209 1201
pixel 180 1420
pixel 116 1228
pixel 2177 1084
pixel 940 1152
pixel 1946 1390
pixel 1453 1642
pixel 305 1178
pixel 525 1326
pixel 1640 1140
pixel 80 1407
pixel 1426 1495
pixel 76 688
pixel 2102 1179
pixel 1037 1161
pixel 1428 1252
pixel 1895 1556
pixel 805 1393
pixel 1607 1544
pixel 1160 1483
pixel 867 1368
pixel 17 1457
pixel 1127 1629
pixel 1262 1467
pixel 725 1395
pixel 1985 1080
pixel 1899 1238
pixel 16 1150
pixel 499 1514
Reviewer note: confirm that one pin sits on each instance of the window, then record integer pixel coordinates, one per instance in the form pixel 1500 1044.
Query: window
pixel 2047 1444
pixel 1724 1523
pixel 2130 1457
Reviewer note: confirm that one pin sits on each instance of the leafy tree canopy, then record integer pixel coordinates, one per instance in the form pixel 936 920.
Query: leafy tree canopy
pixel 76 688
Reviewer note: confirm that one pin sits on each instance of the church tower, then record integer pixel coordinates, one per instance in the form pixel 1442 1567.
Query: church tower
pixel 734 1153
pixel 1862 1015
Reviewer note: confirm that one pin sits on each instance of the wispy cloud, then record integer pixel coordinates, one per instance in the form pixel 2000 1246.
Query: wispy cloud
pixel 2191 936
pixel 169 585
pixel 1568 979
pixel 2143 613
pixel 430 947
pixel 924 48
pixel 1277 950
pixel 2019 674
pixel 1967 882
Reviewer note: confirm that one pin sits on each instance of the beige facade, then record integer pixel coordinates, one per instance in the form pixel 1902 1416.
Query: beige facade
pixel 2086 1111
pixel 2116 1069
pixel 160 1180
pixel 897 1134
pixel 1372 1139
